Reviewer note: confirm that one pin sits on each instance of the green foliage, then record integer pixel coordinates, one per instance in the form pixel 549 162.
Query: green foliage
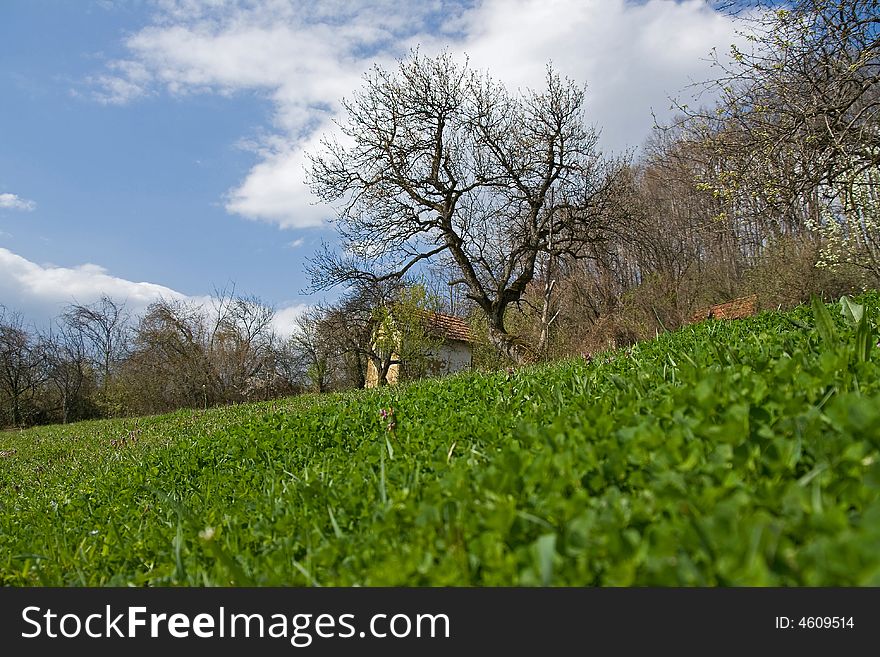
pixel 401 331
pixel 485 356
pixel 852 312
pixel 727 453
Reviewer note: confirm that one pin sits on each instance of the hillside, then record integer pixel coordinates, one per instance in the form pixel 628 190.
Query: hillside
pixel 727 453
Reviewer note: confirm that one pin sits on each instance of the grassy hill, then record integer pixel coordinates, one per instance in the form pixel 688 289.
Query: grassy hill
pixel 727 453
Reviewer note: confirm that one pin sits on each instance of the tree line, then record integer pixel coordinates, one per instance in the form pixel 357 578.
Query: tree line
pixel 97 360
pixel 502 206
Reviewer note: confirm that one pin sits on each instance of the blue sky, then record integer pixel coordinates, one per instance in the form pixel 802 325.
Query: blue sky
pixel 156 147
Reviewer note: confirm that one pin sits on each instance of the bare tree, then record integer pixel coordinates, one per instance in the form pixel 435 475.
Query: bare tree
pixel 344 328
pixel 104 327
pixel 169 366
pixel 310 351
pixel 441 162
pixel 22 366
pixel 241 346
pixel 349 325
pixel 69 370
pixel 187 354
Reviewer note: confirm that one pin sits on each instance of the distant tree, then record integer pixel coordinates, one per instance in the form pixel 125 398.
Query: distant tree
pixel 402 334
pixel 70 373
pixel 439 161
pixel 311 353
pixel 345 329
pixel 241 346
pixel 349 327
pixel 104 328
pixel 187 354
pixel 383 324
pixel 168 367
pixel 22 367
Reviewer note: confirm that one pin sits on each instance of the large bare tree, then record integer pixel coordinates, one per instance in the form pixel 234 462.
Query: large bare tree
pixel 436 161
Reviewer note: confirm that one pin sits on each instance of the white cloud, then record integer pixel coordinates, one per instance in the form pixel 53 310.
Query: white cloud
pixel 285 317
pixel 12 202
pixel 274 190
pixel 298 242
pixel 632 56
pixel 128 81
pixel 305 56
pixel 41 291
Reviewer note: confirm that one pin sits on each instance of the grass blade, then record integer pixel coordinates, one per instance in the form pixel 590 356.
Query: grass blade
pixel 824 322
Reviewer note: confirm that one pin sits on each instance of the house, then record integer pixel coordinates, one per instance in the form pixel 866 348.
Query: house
pixel 453 352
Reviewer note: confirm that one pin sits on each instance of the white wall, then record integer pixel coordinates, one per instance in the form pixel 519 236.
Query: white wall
pixel 453 357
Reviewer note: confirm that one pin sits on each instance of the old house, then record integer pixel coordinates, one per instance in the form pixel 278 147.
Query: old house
pixel 450 351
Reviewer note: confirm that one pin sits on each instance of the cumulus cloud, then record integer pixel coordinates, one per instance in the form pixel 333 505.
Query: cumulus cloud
pixel 275 191
pixel 41 291
pixel 13 202
pixel 305 56
pixel 632 56
pixel 284 319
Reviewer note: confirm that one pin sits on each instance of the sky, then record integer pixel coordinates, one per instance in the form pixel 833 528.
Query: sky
pixel 156 148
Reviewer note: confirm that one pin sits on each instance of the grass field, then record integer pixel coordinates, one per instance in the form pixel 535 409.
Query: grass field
pixel 727 453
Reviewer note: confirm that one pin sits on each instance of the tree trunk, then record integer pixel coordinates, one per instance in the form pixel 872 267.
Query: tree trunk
pixel 509 345
pixel 548 316
pixel 16 409
pixel 382 366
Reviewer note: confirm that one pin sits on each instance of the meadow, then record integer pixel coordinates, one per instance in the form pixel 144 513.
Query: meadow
pixel 728 453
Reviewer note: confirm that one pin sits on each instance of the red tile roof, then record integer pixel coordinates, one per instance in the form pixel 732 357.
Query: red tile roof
pixel 448 327
pixel 736 309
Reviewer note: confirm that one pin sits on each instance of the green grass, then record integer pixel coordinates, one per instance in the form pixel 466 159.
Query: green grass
pixel 728 453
